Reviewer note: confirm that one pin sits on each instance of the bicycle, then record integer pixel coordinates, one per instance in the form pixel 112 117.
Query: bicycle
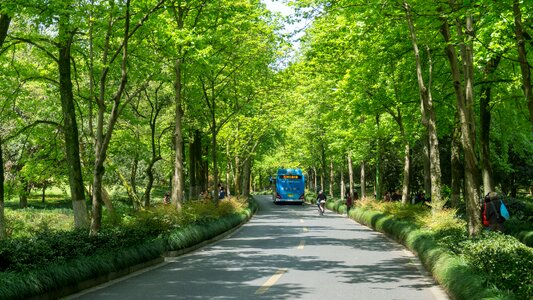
pixel 321 207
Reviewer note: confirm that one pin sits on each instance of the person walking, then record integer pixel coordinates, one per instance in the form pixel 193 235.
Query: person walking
pixel 492 218
pixel 349 202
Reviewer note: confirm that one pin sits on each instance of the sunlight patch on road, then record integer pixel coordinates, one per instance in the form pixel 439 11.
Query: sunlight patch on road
pixel 271 281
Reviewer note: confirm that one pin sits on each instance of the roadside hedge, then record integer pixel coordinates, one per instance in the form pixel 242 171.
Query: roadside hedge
pixel 47 270
pixel 489 266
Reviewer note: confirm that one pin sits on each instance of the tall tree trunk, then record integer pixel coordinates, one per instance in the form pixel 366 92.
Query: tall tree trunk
pixel 350 173
pixel 363 180
pixel 426 162
pixel 378 186
pixel 178 180
pixel 437 200
pixel 522 58
pixel 246 173
pixel 214 154
pixel 195 165
pixel 331 178
pixel 464 97
pixel 193 193
pixel 70 127
pixel 5 20
pixel 237 174
pixel 133 173
pixel 323 166
pixel 428 118
pixel 228 171
pixel 406 173
pixel 485 120
pixel 456 165
pixel 237 166
pixel 2 179
pixel 150 179
pixel 23 194
pixel 315 180
pixel 102 139
pixel 343 186
pixel 43 193
pixel 407 154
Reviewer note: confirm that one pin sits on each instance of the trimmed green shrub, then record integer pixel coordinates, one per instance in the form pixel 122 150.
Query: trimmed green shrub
pixel 505 261
pixel 51 260
pixel 440 244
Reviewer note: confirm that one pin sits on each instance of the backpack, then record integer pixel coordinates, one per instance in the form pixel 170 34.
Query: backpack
pixel 503 211
pixel 484 214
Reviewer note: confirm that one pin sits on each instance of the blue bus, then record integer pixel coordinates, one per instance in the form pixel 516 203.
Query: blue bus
pixel 289 186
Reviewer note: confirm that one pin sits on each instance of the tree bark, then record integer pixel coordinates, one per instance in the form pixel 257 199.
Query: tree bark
pixel 525 68
pixel 70 127
pixel 456 165
pixel 193 191
pixel 5 20
pixel 195 165
pixel 178 180
pixel 323 166
pixel 426 163
pixel 343 186
pixel 407 154
pixel 429 119
pixel 464 97
pixel 246 173
pixel 363 180
pixel 102 140
pixel 378 189
pixel 315 179
pixel 485 120
pixel 331 178
pixel 350 173
pixel 2 180
pixel 406 188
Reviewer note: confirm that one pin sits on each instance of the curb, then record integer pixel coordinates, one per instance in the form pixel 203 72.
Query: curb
pixel 93 282
pixel 89 283
pixel 175 253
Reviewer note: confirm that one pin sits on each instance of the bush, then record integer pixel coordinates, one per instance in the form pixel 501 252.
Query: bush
pixel 505 261
pixel 51 260
pixel 490 266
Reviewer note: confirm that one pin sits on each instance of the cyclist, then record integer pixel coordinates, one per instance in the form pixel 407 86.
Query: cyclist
pixel 321 202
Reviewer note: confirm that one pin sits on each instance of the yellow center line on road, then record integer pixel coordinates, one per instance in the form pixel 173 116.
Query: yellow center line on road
pixel 271 281
pixel 302 244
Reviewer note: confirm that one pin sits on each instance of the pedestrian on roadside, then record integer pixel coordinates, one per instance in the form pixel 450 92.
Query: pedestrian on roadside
pixel 349 202
pixel 492 218
pixel 221 193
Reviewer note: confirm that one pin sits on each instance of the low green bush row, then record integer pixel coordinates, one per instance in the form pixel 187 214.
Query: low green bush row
pixel 54 260
pixel 489 266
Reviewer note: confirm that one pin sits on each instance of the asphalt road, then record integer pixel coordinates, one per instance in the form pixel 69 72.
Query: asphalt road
pixel 284 252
